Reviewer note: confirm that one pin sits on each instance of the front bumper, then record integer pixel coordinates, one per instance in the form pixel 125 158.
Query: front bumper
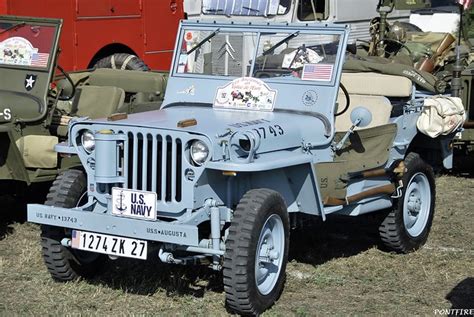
pixel 159 231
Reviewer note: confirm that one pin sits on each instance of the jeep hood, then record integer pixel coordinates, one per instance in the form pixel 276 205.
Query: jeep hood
pixel 213 122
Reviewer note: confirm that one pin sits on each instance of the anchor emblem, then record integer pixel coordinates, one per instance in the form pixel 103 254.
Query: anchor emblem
pixel 121 207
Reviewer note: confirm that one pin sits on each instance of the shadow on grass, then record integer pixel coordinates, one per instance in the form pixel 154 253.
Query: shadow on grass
pixel 148 277
pixel 462 295
pixel 462 165
pixel 320 242
pixel 11 211
pixel 13 207
pixel 315 244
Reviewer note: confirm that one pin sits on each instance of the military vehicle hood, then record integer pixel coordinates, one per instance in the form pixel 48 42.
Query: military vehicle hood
pixel 203 119
pixel 272 131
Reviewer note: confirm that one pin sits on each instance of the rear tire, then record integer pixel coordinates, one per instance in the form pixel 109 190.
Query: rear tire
pixel 64 264
pixel 122 61
pixel 407 226
pixel 256 252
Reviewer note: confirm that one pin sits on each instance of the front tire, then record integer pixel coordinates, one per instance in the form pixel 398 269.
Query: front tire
pixel 64 264
pixel 407 226
pixel 256 252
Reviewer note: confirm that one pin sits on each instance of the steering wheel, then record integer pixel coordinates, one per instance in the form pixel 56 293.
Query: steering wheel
pixel 348 100
pixel 304 55
pixel 71 82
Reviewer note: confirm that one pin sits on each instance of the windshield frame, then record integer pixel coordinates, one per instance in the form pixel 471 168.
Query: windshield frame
pixel 55 24
pixel 322 29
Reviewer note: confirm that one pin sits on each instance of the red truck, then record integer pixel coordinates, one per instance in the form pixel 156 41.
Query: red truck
pixel 95 30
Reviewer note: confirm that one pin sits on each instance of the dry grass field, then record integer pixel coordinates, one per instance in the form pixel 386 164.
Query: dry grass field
pixel 337 268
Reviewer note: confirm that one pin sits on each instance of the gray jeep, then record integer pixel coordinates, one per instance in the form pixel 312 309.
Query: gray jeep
pixel 38 98
pixel 218 174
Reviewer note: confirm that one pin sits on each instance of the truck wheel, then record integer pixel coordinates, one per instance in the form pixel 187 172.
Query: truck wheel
pixel 122 61
pixel 256 252
pixel 407 226
pixel 65 264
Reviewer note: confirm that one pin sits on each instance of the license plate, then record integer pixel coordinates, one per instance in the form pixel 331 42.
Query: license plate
pixel 112 245
pixel 134 203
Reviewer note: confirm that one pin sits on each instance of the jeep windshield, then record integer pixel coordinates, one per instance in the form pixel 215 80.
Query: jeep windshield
pixel 282 54
pixel 245 7
pixel 280 61
pixel 26 44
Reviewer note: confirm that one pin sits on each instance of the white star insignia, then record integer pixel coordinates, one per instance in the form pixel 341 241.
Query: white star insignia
pixel 29 82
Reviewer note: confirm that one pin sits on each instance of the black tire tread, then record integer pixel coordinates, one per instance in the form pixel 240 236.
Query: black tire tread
pixel 391 233
pixel 238 244
pixel 65 191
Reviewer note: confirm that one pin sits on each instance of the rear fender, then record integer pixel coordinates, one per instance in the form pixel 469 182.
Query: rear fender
pixel 438 152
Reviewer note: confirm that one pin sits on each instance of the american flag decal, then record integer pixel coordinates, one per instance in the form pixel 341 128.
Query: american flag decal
pixel 322 72
pixel 39 59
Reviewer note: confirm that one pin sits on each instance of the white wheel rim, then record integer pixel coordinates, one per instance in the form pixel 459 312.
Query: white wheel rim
pixel 269 254
pixel 417 204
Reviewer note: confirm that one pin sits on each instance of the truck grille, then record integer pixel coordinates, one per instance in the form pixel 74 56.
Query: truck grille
pixel 153 162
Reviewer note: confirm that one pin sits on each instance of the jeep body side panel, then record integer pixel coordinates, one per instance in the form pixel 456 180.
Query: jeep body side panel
pixel 295 183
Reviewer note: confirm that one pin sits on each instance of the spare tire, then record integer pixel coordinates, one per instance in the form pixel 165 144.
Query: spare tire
pixel 122 61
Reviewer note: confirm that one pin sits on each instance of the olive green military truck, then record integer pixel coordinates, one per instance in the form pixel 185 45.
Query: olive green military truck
pixel 38 99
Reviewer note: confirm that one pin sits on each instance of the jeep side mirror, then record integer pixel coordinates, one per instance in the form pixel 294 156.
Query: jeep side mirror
pixel 360 117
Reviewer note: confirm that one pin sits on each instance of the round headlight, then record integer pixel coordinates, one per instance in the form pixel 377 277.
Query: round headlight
pixel 199 152
pixel 88 141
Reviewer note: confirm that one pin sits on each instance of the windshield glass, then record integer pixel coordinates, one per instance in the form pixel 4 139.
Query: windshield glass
pixel 26 44
pixel 246 7
pixel 290 55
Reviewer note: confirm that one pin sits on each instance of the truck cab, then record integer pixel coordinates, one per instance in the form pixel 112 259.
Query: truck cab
pixel 357 14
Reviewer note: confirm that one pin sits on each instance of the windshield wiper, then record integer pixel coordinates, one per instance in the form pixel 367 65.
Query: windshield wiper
pixel 285 40
pixel 210 36
pixel 13 27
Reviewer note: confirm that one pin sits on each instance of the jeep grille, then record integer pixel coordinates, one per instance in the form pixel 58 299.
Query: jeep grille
pixel 153 162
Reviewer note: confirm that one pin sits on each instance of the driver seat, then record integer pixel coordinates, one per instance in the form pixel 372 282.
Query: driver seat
pixel 379 106
pixel 97 101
